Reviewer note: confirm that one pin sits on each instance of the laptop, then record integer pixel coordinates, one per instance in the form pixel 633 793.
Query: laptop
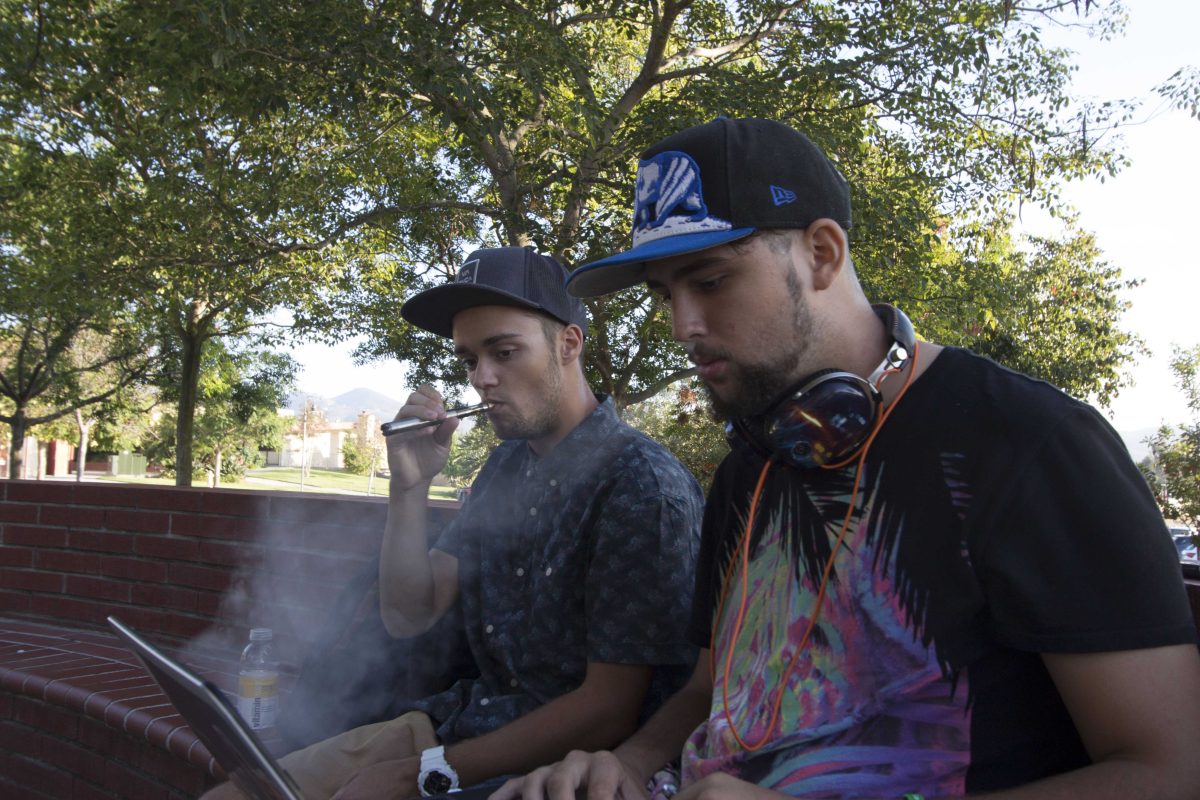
pixel 247 762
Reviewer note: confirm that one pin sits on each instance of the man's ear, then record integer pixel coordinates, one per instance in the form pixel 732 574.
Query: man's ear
pixel 570 343
pixel 830 248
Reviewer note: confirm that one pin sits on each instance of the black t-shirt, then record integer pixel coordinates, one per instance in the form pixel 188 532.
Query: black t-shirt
pixel 995 519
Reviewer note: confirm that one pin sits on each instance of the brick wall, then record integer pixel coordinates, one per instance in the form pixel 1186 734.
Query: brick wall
pixel 179 562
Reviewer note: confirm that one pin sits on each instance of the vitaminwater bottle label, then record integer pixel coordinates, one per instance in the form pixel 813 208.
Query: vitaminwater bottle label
pixel 258 697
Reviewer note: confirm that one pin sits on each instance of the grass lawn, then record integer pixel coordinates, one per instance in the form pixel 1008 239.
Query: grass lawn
pixel 288 479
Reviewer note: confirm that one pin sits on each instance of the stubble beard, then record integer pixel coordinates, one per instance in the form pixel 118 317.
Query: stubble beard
pixel 544 418
pixel 755 386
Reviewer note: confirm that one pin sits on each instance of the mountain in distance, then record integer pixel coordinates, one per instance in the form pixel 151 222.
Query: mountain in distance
pixel 1135 442
pixel 347 406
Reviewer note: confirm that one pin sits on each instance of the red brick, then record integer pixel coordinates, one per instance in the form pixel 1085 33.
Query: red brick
pixel 18 512
pixel 184 627
pixel 162 596
pixel 31 580
pixel 77 760
pixel 14 602
pixel 101 588
pixel 119 519
pixel 72 516
pixel 38 776
pixel 210 603
pixel 149 497
pixel 340 539
pixel 45 717
pixel 102 541
pixel 95 735
pixel 32 535
pixel 133 569
pixel 57 492
pixel 15 738
pixel 129 783
pixel 175 548
pixel 214 527
pixel 301 508
pixel 237 503
pixel 16 556
pixel 66 561
pixel 84 789
pixel 229 554
pixel 68 608
pixel 199 576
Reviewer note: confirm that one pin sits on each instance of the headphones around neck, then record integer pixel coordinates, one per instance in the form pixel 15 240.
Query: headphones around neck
pixel 825 418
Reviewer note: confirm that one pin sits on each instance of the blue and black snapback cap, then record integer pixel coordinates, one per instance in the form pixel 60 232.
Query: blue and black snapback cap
pixel 497 276
pixel 716 183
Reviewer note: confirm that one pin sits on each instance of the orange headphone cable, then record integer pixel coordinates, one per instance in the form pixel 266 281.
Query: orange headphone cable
pixel 745 559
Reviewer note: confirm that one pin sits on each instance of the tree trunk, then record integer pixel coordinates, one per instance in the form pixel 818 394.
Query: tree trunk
pixel 81 452
pixel 217 468
pixel 16 448
pixel 188 391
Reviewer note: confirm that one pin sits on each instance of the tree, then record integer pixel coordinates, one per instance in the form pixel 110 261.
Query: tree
pixel 59 355
pixel 681 421
pixel 212 185
pixel 240 394
pixel 939 113
pixel 468 452
pixel 1174 468
pixel 358 457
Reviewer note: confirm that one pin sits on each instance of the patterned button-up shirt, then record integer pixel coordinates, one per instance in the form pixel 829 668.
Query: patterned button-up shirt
pixel 584 555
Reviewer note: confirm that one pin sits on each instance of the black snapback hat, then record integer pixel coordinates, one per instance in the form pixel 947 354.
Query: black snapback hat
pixel 497 276
pixel 716 183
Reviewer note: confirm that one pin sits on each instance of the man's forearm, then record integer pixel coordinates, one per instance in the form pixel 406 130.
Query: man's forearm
pixel 662 738
pixel 406 580
pixel 584 719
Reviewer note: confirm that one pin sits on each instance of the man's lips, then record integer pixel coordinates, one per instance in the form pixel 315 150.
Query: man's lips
pixel 709 368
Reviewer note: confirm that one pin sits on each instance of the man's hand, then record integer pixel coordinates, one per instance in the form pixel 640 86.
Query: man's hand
pixel 604 775
pixel 393 780
pixel 415 457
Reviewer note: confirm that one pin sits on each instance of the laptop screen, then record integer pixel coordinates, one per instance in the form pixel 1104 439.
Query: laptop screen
pixel 215 722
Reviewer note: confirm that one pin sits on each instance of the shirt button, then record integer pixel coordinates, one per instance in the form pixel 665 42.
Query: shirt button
pixel 484 701
pixel 533 512
pixel 554 481
pixel 548 571
pixel 513 682
pixel 489 629
pixel 520 572
pixel 528 473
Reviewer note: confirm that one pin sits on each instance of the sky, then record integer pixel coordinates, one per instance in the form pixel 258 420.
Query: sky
pixel 1144 220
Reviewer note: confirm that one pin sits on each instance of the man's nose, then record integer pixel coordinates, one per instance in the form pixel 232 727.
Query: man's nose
pixel 484 375
pixel 687 320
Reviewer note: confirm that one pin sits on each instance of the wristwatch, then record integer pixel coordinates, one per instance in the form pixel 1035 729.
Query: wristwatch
pixel 436 776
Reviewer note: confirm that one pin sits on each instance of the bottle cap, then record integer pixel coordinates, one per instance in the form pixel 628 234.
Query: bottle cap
pixel 260 634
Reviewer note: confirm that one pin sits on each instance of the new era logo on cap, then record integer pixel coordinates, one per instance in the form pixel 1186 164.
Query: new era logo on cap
pixel 781 196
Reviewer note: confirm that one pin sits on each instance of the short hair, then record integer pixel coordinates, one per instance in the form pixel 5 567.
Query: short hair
pixel 551 327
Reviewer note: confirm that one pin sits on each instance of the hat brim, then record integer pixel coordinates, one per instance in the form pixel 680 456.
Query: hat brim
pixel 627 269
pixel 434 309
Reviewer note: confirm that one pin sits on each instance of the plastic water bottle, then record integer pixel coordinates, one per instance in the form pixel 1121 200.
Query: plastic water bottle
pixel 258 681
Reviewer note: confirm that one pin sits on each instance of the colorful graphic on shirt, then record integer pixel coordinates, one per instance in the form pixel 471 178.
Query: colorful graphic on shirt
pixel 867 707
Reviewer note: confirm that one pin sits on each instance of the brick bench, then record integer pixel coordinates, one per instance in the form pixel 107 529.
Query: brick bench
pixel 77 708
pixel 193 570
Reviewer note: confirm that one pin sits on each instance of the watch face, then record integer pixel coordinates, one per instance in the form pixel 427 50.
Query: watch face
pixel 437 783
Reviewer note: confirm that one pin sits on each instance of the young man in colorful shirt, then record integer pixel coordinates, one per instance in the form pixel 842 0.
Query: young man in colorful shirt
pixel 922 574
